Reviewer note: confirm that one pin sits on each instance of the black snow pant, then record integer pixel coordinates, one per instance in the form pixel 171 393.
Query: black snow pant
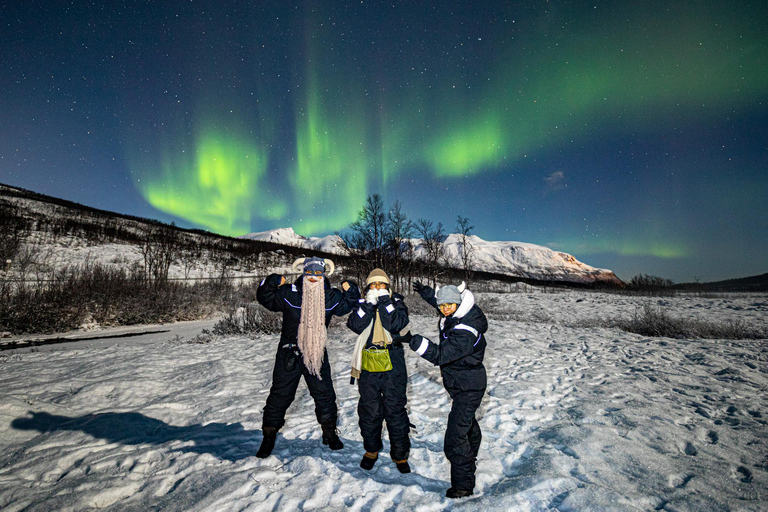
pixel 462 438
pixel 288 370
pixel 383 397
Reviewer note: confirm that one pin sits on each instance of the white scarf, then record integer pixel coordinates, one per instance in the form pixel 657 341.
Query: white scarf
pixel 312 333
pixel 357 353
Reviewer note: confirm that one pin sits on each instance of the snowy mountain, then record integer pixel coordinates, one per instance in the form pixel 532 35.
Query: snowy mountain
pixel 524 260
pixel 330 244
pixel 115 237
pixel 517 259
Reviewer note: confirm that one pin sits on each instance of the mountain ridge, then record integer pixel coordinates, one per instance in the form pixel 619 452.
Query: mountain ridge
pixel 514 259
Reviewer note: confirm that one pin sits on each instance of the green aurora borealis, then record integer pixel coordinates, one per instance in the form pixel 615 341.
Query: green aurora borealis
pixel 634 131
pixel 355 132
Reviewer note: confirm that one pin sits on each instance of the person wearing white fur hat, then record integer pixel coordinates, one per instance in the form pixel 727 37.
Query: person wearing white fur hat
pixel 307 306
pixel 378 364
pixel 460 355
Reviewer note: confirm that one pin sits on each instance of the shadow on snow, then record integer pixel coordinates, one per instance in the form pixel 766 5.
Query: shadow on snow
pixel 225 441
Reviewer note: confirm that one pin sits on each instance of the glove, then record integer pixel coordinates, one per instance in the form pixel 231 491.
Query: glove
pixel 425 291
pixel 415 342
pixel 405 338
pixel 351 285
pixel 372 296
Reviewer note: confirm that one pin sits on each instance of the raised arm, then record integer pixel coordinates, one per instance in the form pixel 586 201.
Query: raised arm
pixel 269 293
pixel 426 292
pixel 341 302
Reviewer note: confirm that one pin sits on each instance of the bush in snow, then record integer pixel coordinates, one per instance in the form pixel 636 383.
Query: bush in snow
pixel 656 321
pixel 65 299
pixel 13 230
pixel 250 319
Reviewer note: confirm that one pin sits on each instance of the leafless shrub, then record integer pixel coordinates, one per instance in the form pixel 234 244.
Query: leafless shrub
pixel 160 249
pixel 650 320
pixel 189 258
pixel 590 323
pixel 656 321
pixel 250 319
pixel 203 338
pixel 108 296
pixel 14 228
pixel 26 258
pixel 645 281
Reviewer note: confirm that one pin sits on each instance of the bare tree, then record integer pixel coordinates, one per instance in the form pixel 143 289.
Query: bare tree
pixel 432 238
pixel 189 257
pixel 365 240
pixel 466 249
pixel 398 242
pixel 160 249
pixel 26 257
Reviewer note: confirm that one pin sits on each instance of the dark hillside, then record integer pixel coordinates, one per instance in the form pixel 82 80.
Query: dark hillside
pixel 745 284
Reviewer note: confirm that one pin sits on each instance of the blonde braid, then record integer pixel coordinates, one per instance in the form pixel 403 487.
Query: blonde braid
pixel 312 333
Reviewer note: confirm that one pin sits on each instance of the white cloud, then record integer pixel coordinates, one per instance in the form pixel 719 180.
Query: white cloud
pixel 555 182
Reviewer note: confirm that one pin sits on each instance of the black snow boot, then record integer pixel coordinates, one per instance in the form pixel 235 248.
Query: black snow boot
pixel 454 493
pixel 331 438
pixel 369 459
pixel 268 443
pixel 402 466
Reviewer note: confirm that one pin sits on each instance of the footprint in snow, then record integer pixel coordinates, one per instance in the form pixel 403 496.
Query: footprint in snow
pixel 743 474
pixel 679 480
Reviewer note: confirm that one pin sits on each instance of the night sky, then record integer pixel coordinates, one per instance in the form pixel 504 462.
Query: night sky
pixel 633 135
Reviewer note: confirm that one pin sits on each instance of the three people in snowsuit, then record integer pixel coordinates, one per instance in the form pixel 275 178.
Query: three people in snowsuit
pixel 378 364
pixel 460 357
pixel 307 306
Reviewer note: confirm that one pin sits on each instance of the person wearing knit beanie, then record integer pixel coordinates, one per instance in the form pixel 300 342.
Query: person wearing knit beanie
pixel 378 365
pixel 459 354
pixel 377 276
pixel 448 295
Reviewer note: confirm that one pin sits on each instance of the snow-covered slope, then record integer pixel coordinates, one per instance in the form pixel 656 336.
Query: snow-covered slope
pixel 331 244
pixel 508 258
pixel 525 260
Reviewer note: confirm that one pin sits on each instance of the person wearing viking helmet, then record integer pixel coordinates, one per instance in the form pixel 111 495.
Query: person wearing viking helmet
pixel 307 306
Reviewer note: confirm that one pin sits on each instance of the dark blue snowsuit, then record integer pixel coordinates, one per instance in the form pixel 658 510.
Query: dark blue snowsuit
pixel 289 362
pixel 460 357
pixel 383 394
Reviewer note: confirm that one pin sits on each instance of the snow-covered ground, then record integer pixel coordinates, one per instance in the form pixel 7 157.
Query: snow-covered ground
pixel 575 419
pixel 69 251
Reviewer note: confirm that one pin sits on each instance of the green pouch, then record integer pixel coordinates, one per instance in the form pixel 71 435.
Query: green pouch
pixel 376 360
